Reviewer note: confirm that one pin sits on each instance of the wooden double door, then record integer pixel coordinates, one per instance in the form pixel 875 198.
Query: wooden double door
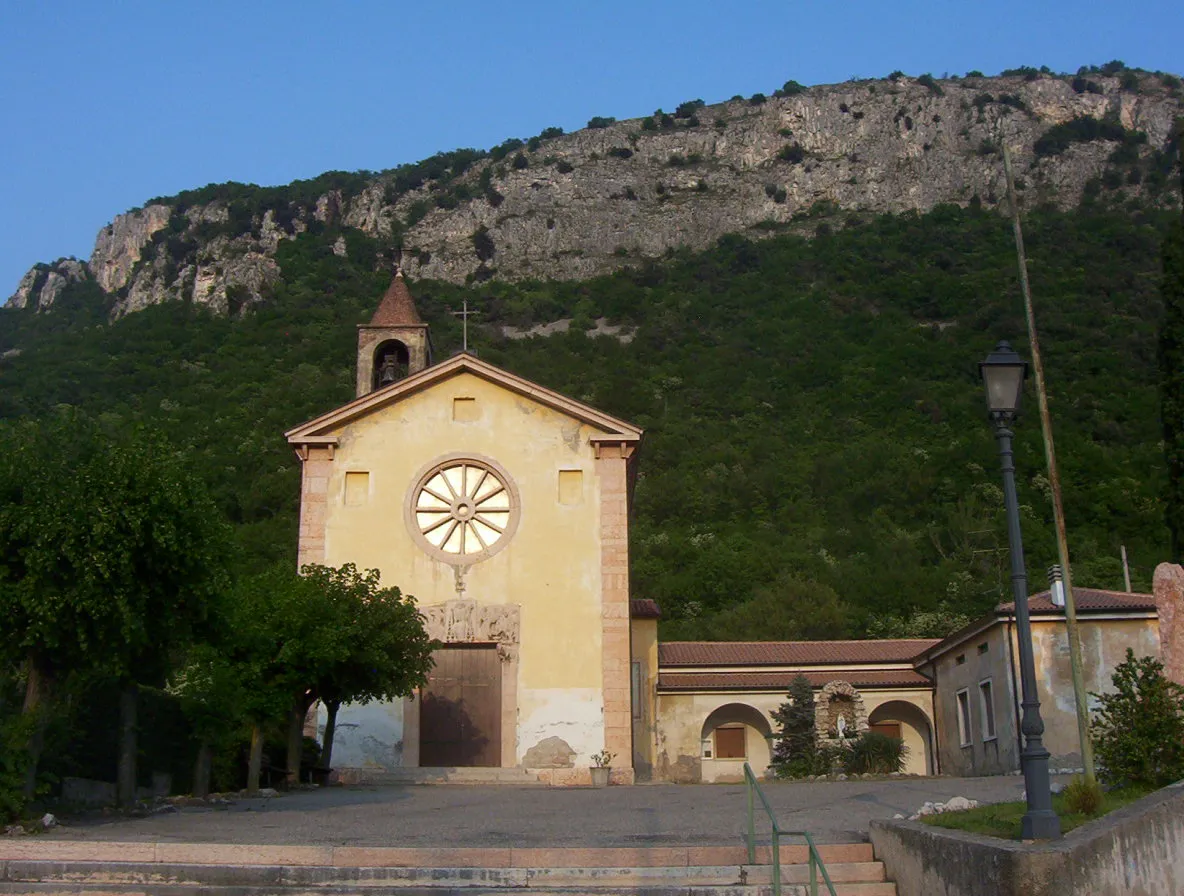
pixel 460 722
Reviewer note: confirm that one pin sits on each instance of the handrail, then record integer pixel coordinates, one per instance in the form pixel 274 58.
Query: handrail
pixel 815 858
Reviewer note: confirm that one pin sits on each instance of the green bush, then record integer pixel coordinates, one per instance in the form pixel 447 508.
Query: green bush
pixel 1138 731
pixel 601 121
pixel 1082 796
pixel 792 153
pixel 1084 129
pixel 876 754
pixel 14 757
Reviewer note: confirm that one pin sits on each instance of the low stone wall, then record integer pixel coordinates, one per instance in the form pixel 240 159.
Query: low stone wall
pixel 1135 851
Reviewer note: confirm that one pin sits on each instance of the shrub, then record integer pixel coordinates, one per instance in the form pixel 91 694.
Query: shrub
pixel 601 121
pixel 790 88
pixel 551 133
pixel 14 756
pixel 1084 129
pixel 1081 85
pixel 757 99
pixel 927 80
pixel 1082 796
pixel 483 243
pixel 563 166
pixel 792 153
pixel 520 162
pixel 648 124
pixel 621 152
pixel 1138 731
pixel 687 109
pixel 875 753
pixel 1129 81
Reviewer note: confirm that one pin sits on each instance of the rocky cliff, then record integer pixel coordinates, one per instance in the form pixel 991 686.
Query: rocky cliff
pixel 582 204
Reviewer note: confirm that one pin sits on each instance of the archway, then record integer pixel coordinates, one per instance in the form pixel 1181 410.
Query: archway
pixel 731 735
pixel 902 719
pixel 392 360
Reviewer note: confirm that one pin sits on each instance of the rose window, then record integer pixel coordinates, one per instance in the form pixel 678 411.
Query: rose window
pixel 463 510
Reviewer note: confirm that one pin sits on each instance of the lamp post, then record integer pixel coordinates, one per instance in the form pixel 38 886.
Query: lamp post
pixel 1003 375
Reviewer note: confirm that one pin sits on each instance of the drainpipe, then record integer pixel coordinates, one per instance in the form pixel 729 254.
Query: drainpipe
pixel 934 744
pixel 1015 707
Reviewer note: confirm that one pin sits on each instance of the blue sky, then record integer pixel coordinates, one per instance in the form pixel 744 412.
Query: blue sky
pixel 106 104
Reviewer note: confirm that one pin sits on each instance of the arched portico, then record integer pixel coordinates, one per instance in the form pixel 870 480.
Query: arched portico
pixel 731 735
pixel 910 723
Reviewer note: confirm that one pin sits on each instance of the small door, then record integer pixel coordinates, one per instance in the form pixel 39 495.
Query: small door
pixel 892 729
pixel 461 714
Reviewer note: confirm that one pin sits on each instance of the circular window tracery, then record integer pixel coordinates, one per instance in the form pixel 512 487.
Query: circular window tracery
pixel 463 510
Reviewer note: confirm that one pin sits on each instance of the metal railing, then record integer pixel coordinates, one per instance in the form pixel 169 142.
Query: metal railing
pixel 815 858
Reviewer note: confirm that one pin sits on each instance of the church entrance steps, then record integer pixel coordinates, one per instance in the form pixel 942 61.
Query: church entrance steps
pixel 439 775
pixel 176 869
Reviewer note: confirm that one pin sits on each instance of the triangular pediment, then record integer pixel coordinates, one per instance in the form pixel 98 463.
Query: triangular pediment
pixel 322 430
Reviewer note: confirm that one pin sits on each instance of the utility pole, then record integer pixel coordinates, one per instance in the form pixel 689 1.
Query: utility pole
pixel 1054 479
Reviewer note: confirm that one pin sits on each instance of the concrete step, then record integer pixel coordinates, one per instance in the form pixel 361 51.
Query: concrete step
pixel 25 878
pixel 383 777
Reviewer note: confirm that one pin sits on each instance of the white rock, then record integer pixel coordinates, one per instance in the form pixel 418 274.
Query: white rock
pixel 48 821
pixel 958 804
pixel 269 792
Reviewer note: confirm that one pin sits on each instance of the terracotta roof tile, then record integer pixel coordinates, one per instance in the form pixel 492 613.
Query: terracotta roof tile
pixel 1087 600
pixel 644 608
pixel 790 653
pixel 397 308
pixel 780 681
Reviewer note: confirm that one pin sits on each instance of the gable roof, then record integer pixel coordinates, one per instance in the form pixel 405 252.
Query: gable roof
pixel 397 308
pixel 317 431
pixel 790 653
pixel 1086 600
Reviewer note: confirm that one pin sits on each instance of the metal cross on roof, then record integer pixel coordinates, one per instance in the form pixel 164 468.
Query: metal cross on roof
pixel 464 316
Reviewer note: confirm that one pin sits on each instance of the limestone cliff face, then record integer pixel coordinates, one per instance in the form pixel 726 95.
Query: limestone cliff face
pixel 42 285
pixel 590 202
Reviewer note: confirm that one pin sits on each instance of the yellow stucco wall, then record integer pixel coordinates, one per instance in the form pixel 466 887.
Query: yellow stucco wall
pixel 1103 647
pixel 644 646
pixel 683 723
pixel 551 567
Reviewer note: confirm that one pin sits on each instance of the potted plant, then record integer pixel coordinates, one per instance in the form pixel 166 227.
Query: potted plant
pixel 601 767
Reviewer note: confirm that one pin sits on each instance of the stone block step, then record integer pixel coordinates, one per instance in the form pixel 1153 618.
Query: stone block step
pixel 25 878
pixel 54 850
pixel 99 888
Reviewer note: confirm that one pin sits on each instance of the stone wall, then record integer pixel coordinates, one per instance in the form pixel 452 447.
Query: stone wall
pixel 1136 851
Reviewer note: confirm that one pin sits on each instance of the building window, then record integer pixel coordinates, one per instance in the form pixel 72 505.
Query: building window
pixel 730 742
pixel 463 509
pixel 635 682
pixel 982 648
pixel 987 702
pixel 963 697
pixel 960 659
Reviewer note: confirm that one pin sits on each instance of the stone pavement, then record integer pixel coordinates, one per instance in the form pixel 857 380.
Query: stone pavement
pixel 477 816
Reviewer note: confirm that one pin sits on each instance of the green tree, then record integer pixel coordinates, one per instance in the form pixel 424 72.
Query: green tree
pixel 796 741
pixel 390 652
pixel 323 633
pixel 111 553
pixel 1171 373
pixel 1138 731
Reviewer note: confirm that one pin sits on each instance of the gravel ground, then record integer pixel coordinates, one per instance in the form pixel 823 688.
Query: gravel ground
pixel 442 815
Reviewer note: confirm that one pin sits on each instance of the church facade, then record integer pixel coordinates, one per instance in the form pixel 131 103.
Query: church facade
pixel 503 507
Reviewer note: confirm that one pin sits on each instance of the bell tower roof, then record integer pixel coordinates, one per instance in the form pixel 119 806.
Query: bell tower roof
pixel 397 308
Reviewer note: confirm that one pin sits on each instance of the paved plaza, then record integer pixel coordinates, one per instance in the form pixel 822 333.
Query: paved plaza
pixel 481 816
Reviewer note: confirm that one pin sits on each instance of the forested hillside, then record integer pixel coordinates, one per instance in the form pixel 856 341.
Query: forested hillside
pixel 817 460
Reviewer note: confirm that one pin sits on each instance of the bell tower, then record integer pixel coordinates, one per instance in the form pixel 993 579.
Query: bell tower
pixel 395 343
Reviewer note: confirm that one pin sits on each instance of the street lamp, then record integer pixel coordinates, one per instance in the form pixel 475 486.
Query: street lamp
pixel 1003 375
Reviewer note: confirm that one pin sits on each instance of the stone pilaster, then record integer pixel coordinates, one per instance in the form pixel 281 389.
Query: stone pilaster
pixel 314 502
pixel 1169 604
pixel 611 466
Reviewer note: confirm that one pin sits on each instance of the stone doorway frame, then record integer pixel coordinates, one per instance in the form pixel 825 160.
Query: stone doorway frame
pixel 469 622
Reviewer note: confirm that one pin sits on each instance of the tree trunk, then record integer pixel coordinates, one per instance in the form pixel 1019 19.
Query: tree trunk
pixel 125 786
pixel 295 739
pixel 201 771
pixel 256 759
pixel 331 707
pixel 36 696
